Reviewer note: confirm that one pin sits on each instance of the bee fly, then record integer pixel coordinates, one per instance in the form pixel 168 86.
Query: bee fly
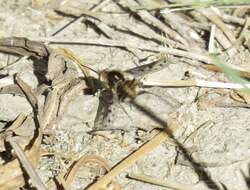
pixel 117 85
pixel 114 87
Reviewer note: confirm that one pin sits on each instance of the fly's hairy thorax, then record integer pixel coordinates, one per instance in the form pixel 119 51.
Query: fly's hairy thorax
pixel 117 82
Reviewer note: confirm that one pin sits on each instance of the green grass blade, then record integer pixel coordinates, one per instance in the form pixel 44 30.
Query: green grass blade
pixel 232 74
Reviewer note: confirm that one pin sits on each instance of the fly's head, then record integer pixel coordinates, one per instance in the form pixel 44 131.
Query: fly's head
pixel 110 78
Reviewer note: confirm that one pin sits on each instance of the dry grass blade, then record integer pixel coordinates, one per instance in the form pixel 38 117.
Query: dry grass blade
pixel 100 5
pixel 56 66
pixel 51 106
pixel 153 21
pixel 211 40
pixel 107 26
pixel 26 164
pixel 11 172
pixel 233 19
pixel 131 159
pixel 159 182
pixel 24 47
pixel 29 157
pixel 244 34
pixel 106 29
pixel 67 9
pixel 148 33
pixel 182 28
pixel 243 72
pixel 127 44
pixel 18 122
pixel 195 82
pixel 28 92
pixel 242 97
pixel 83 160
pixel 219 35
pixel 150 19
pixel 219 23
pixel 70 55
pixel 69 95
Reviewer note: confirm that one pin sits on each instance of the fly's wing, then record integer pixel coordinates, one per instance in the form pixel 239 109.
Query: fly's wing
pixel 143 70
pixel 109 112
pixel 104 108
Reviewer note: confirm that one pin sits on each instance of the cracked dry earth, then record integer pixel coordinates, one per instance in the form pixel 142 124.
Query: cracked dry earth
pixel 217 137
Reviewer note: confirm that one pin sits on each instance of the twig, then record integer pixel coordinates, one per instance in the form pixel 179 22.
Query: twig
pixel 192 135
pixel 12 171
pixel 131 159
pixel 159 182
pixel 35 179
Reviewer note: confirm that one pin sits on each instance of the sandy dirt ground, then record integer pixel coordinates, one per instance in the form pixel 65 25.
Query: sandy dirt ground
pixel 213 124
